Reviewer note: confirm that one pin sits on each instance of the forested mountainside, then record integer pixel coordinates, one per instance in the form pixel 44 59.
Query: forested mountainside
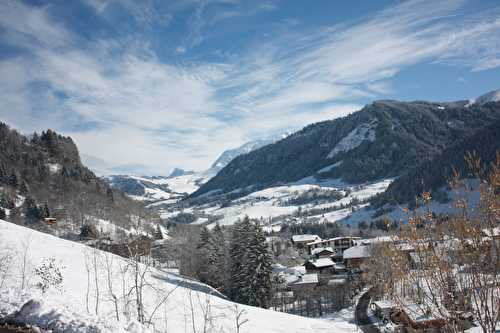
pixel 43 176
pixel 384 139
pixel 435 174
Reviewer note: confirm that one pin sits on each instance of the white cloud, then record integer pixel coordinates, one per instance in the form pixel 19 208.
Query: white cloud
pixel 180 49
pixel 30 27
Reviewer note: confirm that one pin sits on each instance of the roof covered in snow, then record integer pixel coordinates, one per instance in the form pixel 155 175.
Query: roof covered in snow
pixel 305 238
pixel 380 239
pixel 322 262
pixel 321 249
pixel 321 241
pixel 357 252
pixel 307 278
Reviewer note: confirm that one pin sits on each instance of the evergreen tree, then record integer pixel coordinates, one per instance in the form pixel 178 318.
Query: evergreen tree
pixel 13 180
pixel 258 284
pixel 217 258
pixel 2 214
pixel 238 252
pixel 204 238
pixel 23 188
pixel 3 174
pixel 158 233
pixel 31 210
pixel 45 212
pixel 203 254
pixel 15 215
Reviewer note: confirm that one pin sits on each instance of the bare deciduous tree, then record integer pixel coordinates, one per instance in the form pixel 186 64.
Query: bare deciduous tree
pixel 25 267
pixel 108 259
pixel 449 266
pixel 239 317
pixel 6 260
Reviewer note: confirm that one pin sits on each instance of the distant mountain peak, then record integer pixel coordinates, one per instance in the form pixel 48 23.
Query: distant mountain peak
pixel 177 172
pixel 492 96
pixel 227 156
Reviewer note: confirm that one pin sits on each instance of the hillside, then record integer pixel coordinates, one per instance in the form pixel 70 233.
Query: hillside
pixel 42 176
pixel 436 173
pixel 383 140
pixel 188 306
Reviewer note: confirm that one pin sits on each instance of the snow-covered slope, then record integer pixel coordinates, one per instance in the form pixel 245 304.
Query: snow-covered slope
pixel 492 96
pixel 73 308
pixel 363 132
pixel 229 155
pixel 179 172
pixel 166 190
pixel 334 201
pixel 148 189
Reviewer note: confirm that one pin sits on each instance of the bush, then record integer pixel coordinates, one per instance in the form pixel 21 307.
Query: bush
pixel 89 231
pixel 50 275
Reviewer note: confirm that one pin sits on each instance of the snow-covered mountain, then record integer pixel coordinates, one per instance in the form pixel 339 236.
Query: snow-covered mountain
pixel 177 172
pixel 492 96
pixel 180 182
pixel 329 170
pixel 383 140
pixel 97 294
pixel 227 156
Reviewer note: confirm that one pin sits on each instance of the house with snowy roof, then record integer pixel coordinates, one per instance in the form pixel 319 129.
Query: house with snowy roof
pixel 322 252
pixel 304 283
pixel 300 241
pixel 356 256
pixel 321 266
pixel 337 244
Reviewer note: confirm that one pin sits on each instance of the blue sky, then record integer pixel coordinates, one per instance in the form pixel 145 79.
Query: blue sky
pixel 146 86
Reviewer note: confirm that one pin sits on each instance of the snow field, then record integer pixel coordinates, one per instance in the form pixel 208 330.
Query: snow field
pixel 189 306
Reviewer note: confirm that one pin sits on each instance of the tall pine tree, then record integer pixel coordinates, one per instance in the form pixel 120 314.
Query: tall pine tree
pixel 250 265
pixel 258 282
pixel 238 251
pixel 203 256
pixel 217 258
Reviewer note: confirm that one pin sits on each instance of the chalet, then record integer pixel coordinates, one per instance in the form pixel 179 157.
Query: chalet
pixel 337 244
pixel 300 241
pixel 305 283
pixel 322 252
pixel 356 256
pixel 322 266
pixel 50 220
pixel 383 309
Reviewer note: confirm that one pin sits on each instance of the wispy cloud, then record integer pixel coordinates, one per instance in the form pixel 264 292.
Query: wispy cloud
pixel 127 106
pixel 295 72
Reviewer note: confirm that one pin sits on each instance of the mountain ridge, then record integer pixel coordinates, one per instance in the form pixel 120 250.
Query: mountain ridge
pixel 405 133
pixel 43 176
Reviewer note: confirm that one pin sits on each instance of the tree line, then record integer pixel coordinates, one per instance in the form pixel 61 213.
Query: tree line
pixel 234 260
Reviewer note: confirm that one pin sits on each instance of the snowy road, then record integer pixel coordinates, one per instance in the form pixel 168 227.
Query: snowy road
pixel 364 322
